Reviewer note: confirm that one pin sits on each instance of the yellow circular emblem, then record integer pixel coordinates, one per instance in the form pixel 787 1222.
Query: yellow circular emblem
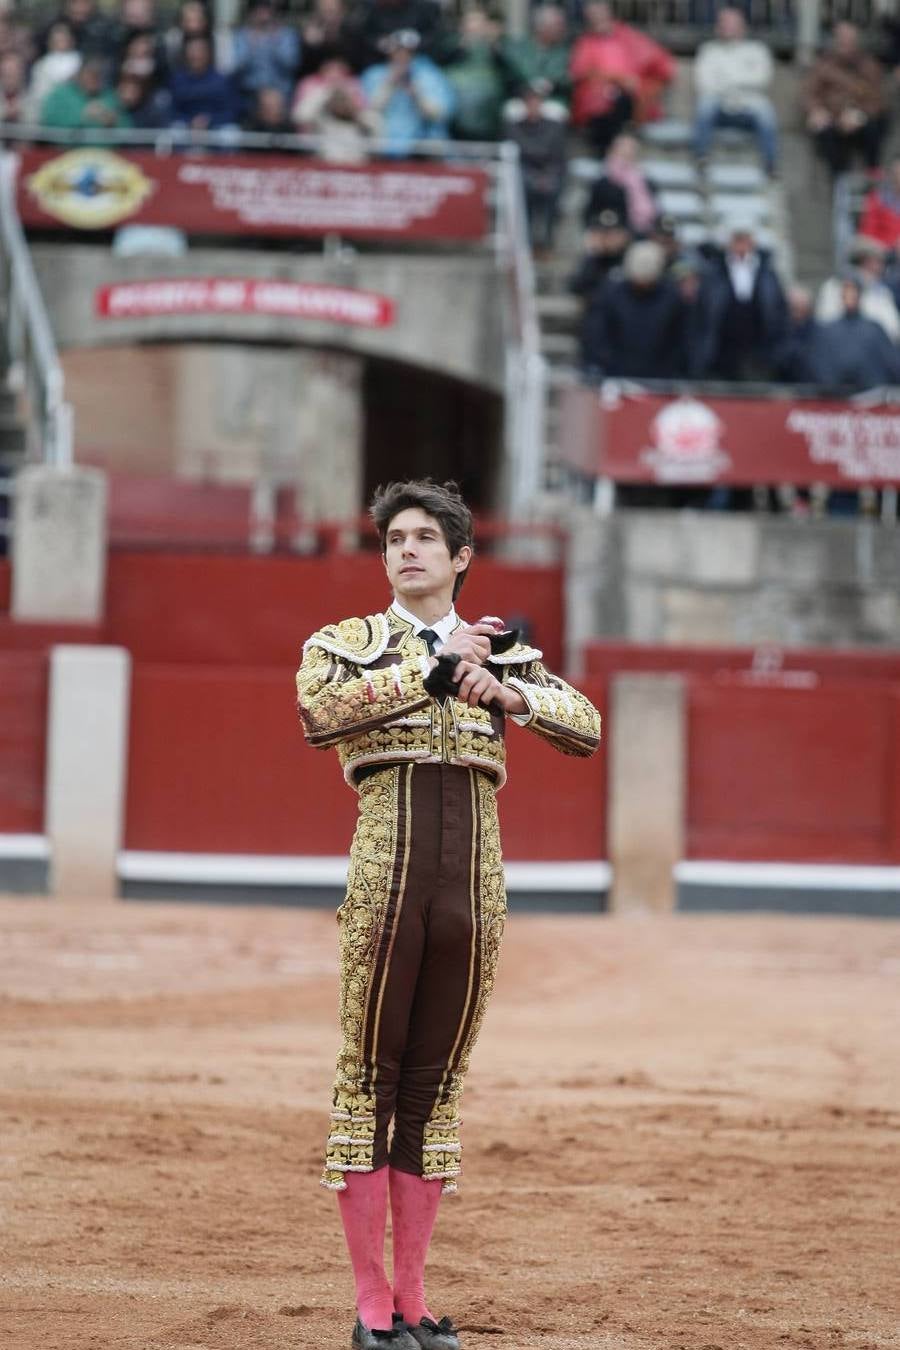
pixel 90 189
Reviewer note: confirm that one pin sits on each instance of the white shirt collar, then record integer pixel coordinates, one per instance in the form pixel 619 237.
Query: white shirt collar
pixel 443 627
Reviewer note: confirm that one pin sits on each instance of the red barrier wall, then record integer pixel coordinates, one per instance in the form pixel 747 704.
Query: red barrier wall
pixel 218 764
pixel 608 658
pixel 231 609
pixel 23 716
pixel 794 774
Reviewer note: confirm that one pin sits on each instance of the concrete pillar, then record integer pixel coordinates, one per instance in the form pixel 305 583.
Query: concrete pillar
pixel 59 545
pixel 87 752
pixel 330 436
pixel 646 790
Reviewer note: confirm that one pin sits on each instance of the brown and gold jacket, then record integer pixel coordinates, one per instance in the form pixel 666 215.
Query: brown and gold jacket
pixel 360 688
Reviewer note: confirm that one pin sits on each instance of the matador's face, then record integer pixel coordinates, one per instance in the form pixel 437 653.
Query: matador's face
pixel 417 558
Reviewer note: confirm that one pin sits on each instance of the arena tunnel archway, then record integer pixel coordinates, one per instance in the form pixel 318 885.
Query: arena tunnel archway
pixel 327 423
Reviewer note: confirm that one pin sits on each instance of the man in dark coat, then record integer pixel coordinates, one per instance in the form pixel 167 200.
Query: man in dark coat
pixel 633 327
pixel 853 352
pixel 542 157
pixel 606 241
pixel 746 310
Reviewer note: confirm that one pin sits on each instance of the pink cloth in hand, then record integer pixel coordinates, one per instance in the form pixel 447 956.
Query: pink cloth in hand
pixel 363 1207
pixel 414 1206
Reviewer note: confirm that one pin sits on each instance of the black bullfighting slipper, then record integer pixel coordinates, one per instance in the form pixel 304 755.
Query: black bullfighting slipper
pixel 431 1335
pixel 398 1338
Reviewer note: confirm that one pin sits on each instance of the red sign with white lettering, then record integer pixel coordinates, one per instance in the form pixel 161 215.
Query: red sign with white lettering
pixel 96 189
pixel 243 295
pixel 654 438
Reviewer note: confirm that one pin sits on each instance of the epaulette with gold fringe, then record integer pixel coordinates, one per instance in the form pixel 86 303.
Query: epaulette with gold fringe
pixel 361 641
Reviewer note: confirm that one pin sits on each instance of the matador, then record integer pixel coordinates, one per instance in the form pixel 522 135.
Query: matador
pixel 421 923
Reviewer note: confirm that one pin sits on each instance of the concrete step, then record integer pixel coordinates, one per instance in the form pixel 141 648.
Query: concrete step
pixel 558 347
pixel 558 312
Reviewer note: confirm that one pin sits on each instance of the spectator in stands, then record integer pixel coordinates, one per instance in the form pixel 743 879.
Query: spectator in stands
pixel 138 20
pixel 542 156
pixel 746 318
pixel 14 105
pixel 606 242
pixel 270 115
pixel 633 327
pixel 617 74
pixel 543 55
pixel 478 74
pixel 605 195
pixel 867 260
pixel 732 78
pixel 383 18
pixel 844 102
pixel 856 353
pixel 622 169
pixel 326 35
pixel 409 93
pixel 194 21
pixel 801 357
pixel 95 34
pixel 881 213
pixel 331 105
pixel 314 91
pixel 664 232
pixel 148 105
pixel 266 53
pixel 144 58
pixel 58 64
pixel 84 101
pixel 15 37
pixel 202 97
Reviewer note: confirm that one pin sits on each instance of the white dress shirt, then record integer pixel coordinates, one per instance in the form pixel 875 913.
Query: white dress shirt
pixel 443 627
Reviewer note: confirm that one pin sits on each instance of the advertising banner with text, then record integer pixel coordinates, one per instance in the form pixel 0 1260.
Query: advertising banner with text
pixel 227 194
pixel 685 439
pixel 243 295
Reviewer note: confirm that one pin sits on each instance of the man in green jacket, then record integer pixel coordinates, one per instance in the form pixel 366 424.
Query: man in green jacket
pixel 544 55
pixel 84 102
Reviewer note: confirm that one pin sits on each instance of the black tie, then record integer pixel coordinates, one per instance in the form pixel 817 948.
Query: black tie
pixel 430 638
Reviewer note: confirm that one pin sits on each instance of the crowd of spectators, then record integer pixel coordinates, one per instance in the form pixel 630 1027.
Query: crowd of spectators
pixel 720 311
pixel 655 311
pixel 398 69
pixel 404 71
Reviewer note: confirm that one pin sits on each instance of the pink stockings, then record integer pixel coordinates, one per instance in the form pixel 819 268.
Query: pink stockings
pixel 414 1207
pixel 363 1206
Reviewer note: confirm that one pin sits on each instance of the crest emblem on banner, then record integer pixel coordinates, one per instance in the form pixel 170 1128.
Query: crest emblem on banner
pixel 686 447
pixel 90 189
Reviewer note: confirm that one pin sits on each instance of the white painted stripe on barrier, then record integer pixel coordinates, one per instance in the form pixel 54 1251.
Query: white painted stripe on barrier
pixel 797 876
pixel 24 846
pixel 558 876
pixel 262 870
pixel 231 869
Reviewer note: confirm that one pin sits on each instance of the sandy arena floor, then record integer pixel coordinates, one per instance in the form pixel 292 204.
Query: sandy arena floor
pixel 681 1134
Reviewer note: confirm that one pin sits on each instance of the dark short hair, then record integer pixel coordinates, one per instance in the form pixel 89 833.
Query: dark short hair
pixel 442 501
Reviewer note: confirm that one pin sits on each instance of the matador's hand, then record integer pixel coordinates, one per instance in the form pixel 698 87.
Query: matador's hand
pixel 472 642
pixel 477 685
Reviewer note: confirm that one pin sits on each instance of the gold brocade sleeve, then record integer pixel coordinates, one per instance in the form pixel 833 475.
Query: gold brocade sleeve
pixel 558 713
pixel 336 703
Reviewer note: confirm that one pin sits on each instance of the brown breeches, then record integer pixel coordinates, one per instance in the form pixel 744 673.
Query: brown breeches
pixel 420 933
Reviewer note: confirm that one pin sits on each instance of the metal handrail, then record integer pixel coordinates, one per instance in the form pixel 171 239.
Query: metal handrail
pixel 526 369
pixel 167 140
pixel 29 339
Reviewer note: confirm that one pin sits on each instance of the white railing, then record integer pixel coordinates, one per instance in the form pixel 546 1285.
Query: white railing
pixel 524 366
pixel 28 337
pixel 526 382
